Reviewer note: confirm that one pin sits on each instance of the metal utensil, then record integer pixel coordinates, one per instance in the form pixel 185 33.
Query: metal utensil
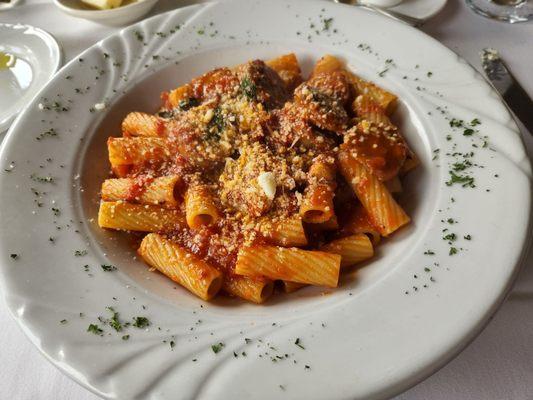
pixel 388 13
pixel 514 95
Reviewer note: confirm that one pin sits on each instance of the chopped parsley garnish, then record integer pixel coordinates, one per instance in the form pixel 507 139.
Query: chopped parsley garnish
pixel 468 237
pixel 217 347
pixel 141 322
pixel 167 114
pixel 49 133
pixel 108 267
pixel 451 237
pixel 139 36
pixel 429 253
pixel 327 23
pixel 299 344
pixel 172 344
pixel 475 122
pixel 461 166
pixel 453 251
pixel 14 256
pixel 63 321
pixel 468 132
pixel 464 180
pixel 125 337
pixel 456 123
pixel 57 106
pixel 216 125
pixel 114 321
pixel 41 179
pixel 186 104
pixel 93 328
pixel 248 88
pixel 80 253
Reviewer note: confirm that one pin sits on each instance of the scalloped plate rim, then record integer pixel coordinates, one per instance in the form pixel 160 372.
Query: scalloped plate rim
pixel 476 329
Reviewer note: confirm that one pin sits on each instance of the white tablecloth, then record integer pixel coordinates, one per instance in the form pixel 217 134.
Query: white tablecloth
pixel 497 365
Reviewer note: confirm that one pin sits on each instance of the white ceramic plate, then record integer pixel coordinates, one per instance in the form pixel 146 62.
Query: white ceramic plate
pixel 38 57
pixel 385 328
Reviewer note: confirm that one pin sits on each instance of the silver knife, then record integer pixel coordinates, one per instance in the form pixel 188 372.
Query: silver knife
pixel 514 95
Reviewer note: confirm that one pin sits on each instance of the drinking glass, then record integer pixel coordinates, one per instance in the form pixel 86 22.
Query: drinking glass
pixel 504 10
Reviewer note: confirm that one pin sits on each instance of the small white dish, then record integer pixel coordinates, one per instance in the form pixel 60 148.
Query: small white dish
pixel 5 6
pixel 382 3
pixel 37 58
pixel 421 9
pixel 117 16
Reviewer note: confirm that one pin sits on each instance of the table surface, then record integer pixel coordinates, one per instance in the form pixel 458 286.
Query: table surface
pixel 497 365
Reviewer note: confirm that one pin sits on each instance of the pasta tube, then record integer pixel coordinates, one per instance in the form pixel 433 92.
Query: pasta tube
pixel 384 212
pixel 125 216
pixel 158 191
pixel 352 249
pixel 290 264
pixel 181 266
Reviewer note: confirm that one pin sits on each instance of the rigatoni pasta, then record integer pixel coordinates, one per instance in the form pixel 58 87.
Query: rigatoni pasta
pixel 384 212
pixel 200 207
pixel 124 216
pixel 283 232
pixel 181 266
pixel 289 264
pixel 317 204
pixel 142 124
pixel 254 289
pixel 352 249
pixel 251 176
pixel 142 190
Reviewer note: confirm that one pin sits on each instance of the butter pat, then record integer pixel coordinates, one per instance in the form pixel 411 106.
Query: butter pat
pixel 267 182
pixel 103 4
